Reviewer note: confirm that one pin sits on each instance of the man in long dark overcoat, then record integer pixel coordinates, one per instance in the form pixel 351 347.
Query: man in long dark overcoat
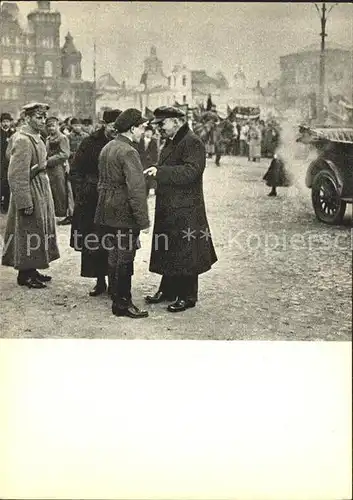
pixel 182 246
pixel 30 237
pixel 6 131
pixel 122 206
pixel 84 176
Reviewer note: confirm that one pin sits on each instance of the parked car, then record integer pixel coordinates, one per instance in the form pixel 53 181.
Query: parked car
pixel 330 175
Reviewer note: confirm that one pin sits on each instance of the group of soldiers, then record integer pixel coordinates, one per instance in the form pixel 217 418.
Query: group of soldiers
pixel 99 182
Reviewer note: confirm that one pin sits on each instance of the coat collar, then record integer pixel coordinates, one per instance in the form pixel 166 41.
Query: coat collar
pixel 170 145
pixel 26 130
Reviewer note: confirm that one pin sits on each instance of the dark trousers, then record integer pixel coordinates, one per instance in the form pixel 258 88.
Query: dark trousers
pixel 183 287
pixel 5 195
pixel 121 257
pixel 26 273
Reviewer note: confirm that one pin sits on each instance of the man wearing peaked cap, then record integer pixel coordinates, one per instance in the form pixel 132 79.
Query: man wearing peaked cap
pixel 31 210
pixel 122 206
pixel 84 179
pixel 180 216
pixel 129 118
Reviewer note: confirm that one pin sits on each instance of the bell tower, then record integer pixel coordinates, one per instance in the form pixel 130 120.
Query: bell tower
pixel 71 59
pixel 44 26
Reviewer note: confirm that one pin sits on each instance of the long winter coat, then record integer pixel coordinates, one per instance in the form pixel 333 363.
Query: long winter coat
pixel 58 151
pixel 277 174
pixel 122 201
pixel 30 240
pixel 182 243
pixel 84 177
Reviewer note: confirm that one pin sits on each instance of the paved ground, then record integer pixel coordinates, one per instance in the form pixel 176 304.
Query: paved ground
pixel 281 275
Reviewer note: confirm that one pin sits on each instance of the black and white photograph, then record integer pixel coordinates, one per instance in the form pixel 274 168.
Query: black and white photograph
pixel 177 171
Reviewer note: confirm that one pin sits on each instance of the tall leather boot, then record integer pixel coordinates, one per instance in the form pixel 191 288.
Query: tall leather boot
pixel 122 303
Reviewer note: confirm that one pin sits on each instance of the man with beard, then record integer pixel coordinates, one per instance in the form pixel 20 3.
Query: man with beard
pixel 6 132
pixel 84 177
pixel 30 237
pixel 182 246
pixel 122 206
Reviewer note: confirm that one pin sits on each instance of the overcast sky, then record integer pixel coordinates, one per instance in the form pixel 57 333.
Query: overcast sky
pixel 210 36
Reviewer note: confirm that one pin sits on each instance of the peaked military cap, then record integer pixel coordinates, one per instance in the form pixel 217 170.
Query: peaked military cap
pixel 111 115
pixel 131 117
pixel 34 107
pixel 164 112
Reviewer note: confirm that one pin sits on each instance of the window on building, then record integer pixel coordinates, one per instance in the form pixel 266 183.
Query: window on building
pixel 50 43
pixel 7 93
pixel 6 40
pixel 6 67
pixel 30 64
pixel 72 71
pixel 18 40
pixel 48 69
pixel 17 67
pixel 14 93
pixel 184 99
pixel 184 81
pixel 169 81
pixel 174 81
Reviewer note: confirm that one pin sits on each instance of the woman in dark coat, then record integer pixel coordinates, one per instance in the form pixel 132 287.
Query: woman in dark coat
pixel 84 176
pixel 182 246
pixel 277 175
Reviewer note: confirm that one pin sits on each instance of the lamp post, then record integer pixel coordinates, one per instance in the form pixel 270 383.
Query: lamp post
pixel 322 80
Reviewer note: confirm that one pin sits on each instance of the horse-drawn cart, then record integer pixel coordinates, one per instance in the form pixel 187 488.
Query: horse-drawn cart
pixel 330 175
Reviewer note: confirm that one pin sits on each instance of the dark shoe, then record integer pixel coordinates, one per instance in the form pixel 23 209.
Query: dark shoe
pixel 98 290
pixel 65 222
pixel 41 277
pixel 157 298
pixel 272 194
pixel 181 305
pixel 30 282
pixel 131 312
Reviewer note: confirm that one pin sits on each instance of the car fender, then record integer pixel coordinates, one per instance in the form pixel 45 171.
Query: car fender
pixel 323 164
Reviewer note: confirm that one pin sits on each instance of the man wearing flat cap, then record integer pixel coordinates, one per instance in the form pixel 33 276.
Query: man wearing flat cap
pixel 6 131
pixel 84 177
pixel 30 237
pixel 182 245
pixel 122 206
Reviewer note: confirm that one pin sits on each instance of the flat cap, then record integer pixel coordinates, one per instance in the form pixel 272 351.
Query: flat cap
pixel 131 117
pixel 87 121
pixel 74 121
pixel 110 115
pixel 164 112
pixel 5 116
pixel 33 107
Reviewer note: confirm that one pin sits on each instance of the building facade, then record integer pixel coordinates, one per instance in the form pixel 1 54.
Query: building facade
pixel 300 76
pixel 33 66
pixel 182 86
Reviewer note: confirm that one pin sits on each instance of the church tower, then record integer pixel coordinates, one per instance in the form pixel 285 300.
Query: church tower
pixel 71 59
pixel 44 33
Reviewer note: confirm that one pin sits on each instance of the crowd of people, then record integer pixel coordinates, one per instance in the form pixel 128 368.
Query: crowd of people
pixel 98 181
pixel 98 178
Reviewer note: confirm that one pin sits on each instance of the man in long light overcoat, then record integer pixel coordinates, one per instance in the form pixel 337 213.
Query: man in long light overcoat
pixel 30 237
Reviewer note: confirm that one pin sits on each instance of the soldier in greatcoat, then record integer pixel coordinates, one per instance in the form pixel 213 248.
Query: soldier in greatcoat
pixel 84 176
pixel 58 150
pixel 30 238
pixel 182 245
pixel 122 206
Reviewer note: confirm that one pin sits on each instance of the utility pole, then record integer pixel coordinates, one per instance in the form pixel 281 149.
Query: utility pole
pixel 322 80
